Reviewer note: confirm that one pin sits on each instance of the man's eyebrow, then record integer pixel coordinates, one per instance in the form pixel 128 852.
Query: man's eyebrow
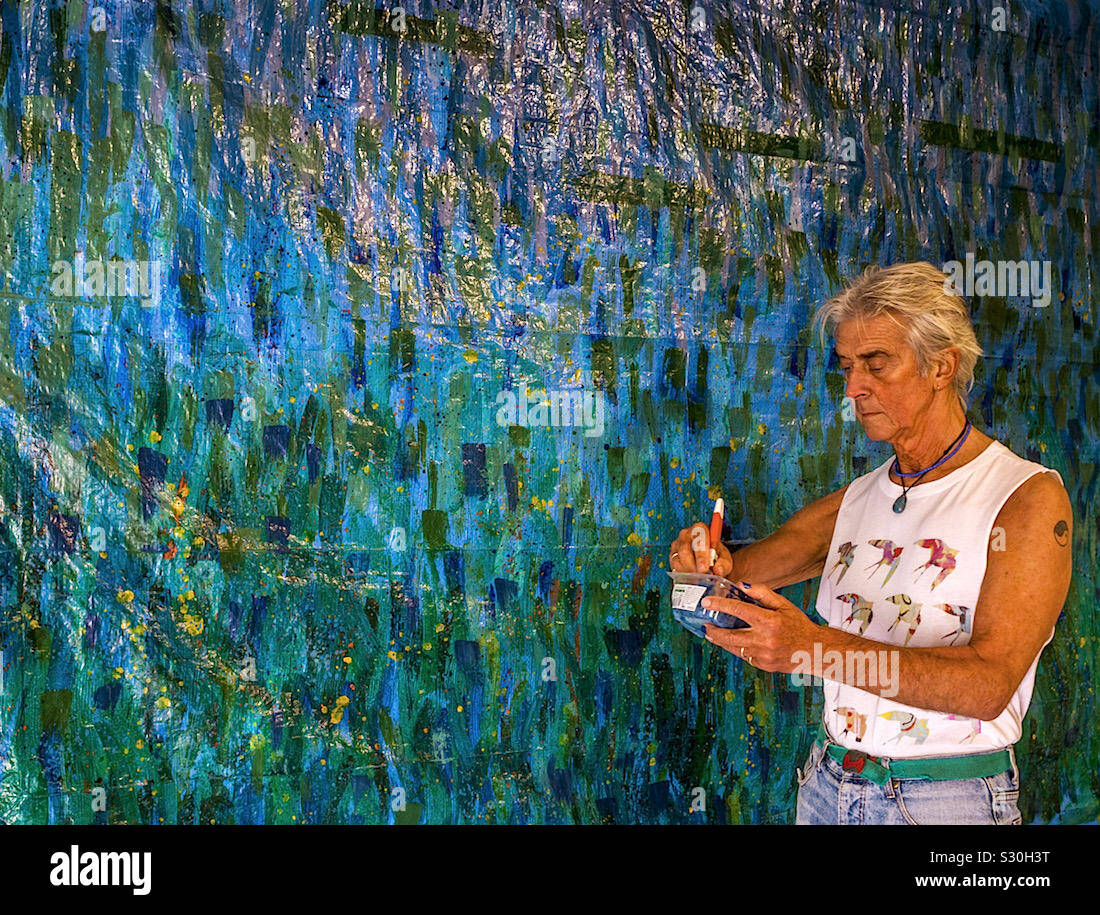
pixel 870 354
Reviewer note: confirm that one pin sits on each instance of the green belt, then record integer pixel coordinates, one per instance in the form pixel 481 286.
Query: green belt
pixel 880 770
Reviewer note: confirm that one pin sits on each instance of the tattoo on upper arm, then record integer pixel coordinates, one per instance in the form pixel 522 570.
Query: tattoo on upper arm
pixel 1061 533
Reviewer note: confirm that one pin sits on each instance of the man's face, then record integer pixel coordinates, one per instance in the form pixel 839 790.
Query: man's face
pixel 891 399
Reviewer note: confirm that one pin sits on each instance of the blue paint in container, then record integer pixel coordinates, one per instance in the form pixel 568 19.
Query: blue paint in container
pixel 688 591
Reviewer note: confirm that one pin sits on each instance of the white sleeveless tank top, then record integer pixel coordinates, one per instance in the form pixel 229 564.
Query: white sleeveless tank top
pixel 912 580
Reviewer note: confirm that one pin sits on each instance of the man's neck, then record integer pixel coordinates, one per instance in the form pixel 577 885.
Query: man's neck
pixel 934 447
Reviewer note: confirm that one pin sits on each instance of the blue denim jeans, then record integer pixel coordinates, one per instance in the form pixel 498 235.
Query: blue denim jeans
pixel 830 795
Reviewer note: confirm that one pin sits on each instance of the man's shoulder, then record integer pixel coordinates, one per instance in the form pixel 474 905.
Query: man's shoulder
pixel 1040 484
pixel 1039 498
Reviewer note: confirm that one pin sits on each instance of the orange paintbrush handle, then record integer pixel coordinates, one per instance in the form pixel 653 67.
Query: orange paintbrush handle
pixel 716 529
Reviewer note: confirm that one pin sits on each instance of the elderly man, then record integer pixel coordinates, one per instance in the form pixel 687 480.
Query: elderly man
pixel 952 558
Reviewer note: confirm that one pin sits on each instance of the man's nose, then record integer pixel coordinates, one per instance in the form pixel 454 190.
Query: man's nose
pixel 856 385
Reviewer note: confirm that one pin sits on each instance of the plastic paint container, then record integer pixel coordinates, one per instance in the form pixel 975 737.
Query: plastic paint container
pixel 689 588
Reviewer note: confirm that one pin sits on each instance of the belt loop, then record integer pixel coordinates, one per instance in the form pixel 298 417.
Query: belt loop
pixel 825 750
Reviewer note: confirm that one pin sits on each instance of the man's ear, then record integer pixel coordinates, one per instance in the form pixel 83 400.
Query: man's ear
pixel 945 366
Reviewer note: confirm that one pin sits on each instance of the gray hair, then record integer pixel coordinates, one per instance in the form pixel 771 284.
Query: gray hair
pixel 918 297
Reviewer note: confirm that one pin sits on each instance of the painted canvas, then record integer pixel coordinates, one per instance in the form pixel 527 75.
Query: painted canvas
pixel 359 362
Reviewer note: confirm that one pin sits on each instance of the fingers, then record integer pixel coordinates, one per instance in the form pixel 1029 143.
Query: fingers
pixel 724 565
pixel 740 609
pixel 742 645
pixel 735 641
pixel 691 551
pixel 700 547
pixel 764 595
pixel 681 558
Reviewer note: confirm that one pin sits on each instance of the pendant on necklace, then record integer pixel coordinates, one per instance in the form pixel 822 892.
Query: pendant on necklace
pixel 899 504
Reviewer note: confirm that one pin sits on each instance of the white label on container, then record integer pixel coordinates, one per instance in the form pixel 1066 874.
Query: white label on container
pixel 687 597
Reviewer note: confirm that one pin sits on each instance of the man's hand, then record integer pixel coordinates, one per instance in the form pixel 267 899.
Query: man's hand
pixel 776 631
pixel 691 553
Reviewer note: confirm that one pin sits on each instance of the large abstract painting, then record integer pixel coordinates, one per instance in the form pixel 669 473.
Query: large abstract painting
pixel 358 364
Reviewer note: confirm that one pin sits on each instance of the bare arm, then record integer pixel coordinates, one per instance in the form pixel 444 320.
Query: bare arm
pixel 795 552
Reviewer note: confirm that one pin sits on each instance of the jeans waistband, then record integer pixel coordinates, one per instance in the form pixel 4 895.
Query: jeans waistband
pixel 881 769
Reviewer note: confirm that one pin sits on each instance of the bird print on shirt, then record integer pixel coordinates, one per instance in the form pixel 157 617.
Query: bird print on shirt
pixel 942 557
pixel 963 614
pixel 890 557
pixel 911 726
pixel 861 610
pixel 856 722
pixel 907 611
pixel 846 552
pixel 975 726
